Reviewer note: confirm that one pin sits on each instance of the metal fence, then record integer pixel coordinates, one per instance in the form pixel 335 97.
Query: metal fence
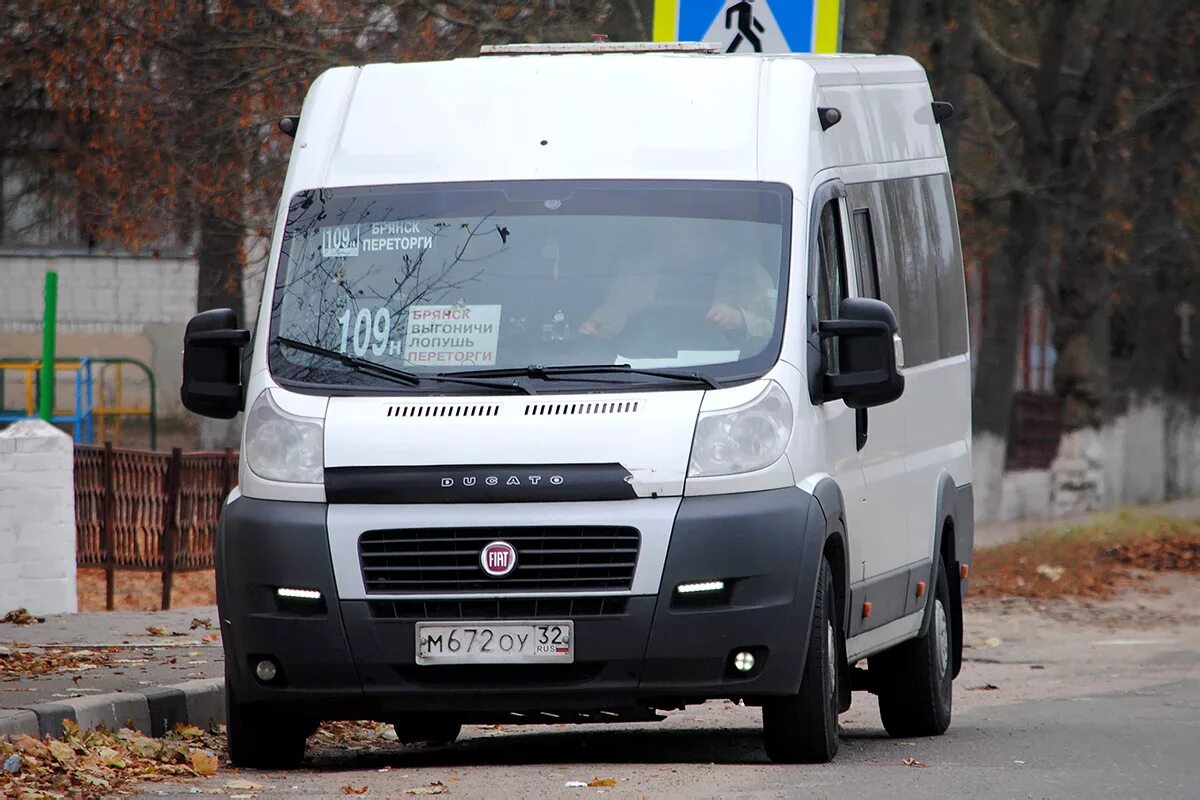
pixel 145 510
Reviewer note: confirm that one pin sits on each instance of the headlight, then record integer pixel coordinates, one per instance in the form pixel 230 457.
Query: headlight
pixel 742 439
pixel 283 447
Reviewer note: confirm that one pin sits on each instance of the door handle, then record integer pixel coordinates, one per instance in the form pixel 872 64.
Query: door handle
pixel 860 427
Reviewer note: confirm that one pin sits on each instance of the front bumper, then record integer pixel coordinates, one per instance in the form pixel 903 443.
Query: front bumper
pixel 347 659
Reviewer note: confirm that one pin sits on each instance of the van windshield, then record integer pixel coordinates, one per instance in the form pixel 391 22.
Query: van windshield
pixel 461 278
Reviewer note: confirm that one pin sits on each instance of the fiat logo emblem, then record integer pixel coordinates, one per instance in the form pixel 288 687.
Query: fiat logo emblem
pixel 498 559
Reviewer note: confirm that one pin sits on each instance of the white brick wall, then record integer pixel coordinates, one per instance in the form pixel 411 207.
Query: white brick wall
pixel 97 294
pixel 37 519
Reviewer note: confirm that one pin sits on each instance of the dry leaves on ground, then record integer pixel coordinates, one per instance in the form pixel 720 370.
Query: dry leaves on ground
pixel 915 762
pixel 20 661
pixel 142 591
pixel 437 787
pixel 100 763
pixel 21 616
pixel 1087 561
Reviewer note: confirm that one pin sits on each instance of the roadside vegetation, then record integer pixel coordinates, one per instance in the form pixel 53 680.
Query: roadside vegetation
pixel 1092 560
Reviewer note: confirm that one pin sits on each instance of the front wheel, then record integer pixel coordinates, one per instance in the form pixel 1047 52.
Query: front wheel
pixel 426 729
pixel 803 728
pixel 916 678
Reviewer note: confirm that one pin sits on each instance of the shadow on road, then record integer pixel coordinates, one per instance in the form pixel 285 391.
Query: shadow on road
pixel 725 746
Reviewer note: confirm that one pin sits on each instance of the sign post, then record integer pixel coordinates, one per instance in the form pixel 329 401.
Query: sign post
pixel 752 26
pixel 49 324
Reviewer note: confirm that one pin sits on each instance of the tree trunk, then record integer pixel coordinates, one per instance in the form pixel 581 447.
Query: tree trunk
pixel 630 21
pixel 1006 278
pixel 219 273
pixel 1082 311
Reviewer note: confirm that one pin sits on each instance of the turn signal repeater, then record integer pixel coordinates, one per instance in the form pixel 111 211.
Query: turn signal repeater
pixel 866 609
pixel 920 588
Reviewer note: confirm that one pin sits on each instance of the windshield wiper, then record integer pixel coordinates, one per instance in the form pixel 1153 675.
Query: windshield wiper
pixel 564 372
pixel 397 375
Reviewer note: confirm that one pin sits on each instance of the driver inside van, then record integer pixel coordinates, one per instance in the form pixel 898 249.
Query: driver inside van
pixel 742 302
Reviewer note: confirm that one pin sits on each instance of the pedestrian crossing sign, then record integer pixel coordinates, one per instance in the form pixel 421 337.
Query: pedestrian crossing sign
pixel 752 26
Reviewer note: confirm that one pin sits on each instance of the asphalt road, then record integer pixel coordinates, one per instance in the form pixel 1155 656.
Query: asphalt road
pixel 1060 700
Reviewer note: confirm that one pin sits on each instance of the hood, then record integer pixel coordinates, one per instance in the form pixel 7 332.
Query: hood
pixel 644 438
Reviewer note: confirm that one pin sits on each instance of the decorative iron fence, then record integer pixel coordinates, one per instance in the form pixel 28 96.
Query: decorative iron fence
pixel 145 510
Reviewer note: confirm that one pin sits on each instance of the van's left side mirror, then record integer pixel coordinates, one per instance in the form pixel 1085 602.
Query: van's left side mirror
pixel 212 364
pixel 865 338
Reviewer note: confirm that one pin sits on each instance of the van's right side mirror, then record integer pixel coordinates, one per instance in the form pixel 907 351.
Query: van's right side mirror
pixel 212 364
pixel 867 373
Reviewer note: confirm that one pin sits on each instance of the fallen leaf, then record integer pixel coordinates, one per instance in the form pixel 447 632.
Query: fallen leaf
pixel 156 630
pixel 61 751
pixel 210 637
pixel 21 616
pixel 240 784
pixel 188 731
pixel 145 746
pixel 596 783
pixel 111 758
pixel 437 787
pixel 347 789
pixel 203 763
pixel 94 780
pixel 993 641
pixel 986 687
pixel 915 762
pixel 205 623
pixel 1054 574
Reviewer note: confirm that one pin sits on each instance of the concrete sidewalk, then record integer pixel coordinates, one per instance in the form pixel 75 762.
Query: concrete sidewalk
pixel 110 668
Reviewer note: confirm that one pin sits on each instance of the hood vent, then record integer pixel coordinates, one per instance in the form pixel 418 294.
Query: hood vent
pixel 558 409
pixel 444 411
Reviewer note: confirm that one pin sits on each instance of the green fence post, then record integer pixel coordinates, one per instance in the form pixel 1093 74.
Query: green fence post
pixel 49 325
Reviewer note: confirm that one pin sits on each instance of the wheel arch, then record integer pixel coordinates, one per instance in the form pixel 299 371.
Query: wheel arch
pixel 947 520
pixel 835 545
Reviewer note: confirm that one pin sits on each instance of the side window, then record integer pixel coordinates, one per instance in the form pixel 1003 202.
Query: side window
pixel 864 248
pixel 831 275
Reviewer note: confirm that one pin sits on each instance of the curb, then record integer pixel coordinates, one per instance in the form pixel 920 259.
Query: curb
pixel 153 711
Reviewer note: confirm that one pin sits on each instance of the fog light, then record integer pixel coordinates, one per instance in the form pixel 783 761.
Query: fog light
pixel 743 661
pixel 266 670
pixel 298 594
pixel 704 586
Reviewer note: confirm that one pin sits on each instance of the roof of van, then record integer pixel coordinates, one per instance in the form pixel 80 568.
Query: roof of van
pixel 536 115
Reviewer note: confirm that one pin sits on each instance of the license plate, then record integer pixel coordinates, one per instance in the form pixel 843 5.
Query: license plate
pixel 544 642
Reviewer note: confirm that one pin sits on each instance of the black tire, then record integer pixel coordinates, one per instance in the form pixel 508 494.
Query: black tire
pixel 426 729
pixel 262 737
pixel 803 728
pixel 916 678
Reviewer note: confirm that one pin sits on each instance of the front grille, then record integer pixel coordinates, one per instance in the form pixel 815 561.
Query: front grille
pixel 446 560
pixel 500 608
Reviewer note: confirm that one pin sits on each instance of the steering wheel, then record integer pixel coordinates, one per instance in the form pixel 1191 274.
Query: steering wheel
pixel 662 328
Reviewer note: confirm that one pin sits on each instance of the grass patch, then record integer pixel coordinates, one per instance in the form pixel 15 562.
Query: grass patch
pixel 1089 560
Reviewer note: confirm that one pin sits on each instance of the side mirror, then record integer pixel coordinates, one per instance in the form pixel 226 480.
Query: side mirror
pixel 212 349
pixel 867 372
